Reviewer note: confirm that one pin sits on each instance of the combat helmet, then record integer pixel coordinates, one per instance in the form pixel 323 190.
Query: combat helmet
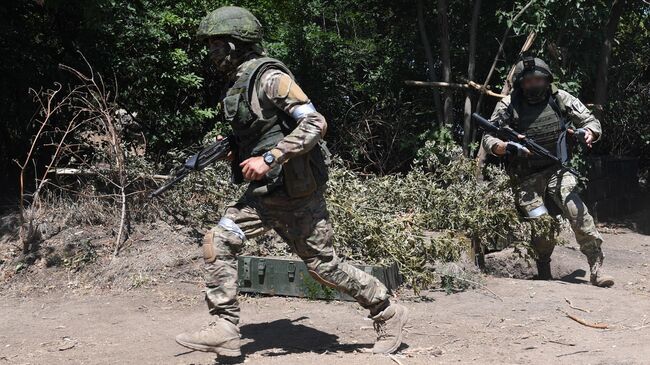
pixel 531 66
pixel 231 21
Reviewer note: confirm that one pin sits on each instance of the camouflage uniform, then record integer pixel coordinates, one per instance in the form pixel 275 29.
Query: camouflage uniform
pixel 303 222
pixel 536 180
pixel 274 126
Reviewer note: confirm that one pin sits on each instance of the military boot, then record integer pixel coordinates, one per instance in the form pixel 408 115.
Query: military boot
pixel 221 337
pixel 389 324
pixel 544 270
pixel 598 278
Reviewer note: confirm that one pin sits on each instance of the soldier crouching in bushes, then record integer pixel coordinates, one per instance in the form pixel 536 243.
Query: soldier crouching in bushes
pixel 538 110
pixel 278 133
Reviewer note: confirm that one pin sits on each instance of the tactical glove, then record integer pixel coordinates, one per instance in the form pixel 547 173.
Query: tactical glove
pixel 516 149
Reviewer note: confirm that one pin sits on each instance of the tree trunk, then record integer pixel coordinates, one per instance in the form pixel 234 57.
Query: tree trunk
pixel 600 97
pixel 443 29
pixel 467 112
pixel 430 62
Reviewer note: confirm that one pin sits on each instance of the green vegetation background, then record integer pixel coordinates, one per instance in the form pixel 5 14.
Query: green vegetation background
pixel 350 56
pixel 352 59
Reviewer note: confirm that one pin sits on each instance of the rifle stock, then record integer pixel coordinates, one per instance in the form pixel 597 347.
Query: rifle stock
pixel 205 157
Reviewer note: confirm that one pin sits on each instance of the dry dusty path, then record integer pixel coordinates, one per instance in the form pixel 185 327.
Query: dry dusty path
pixel 525 323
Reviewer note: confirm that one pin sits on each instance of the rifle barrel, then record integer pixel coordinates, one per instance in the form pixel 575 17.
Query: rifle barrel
pixel 179 176
pixel 197 162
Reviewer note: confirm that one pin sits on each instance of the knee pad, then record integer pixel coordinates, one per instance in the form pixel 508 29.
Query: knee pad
pixel 209 253
pixel 230 226
pixel 227 233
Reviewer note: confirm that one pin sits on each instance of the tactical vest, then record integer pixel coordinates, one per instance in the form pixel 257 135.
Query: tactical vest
pixel 545 123
pixel 256 134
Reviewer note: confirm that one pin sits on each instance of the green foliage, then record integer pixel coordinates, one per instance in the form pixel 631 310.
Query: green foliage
pixel 413 220
pixel 401 177
pixel 350 57
pixel 390 218
pixel 438 151
pixel 626 131
pixel 316 290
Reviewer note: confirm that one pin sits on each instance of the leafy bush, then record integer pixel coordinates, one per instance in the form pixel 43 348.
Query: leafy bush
pixel 426 216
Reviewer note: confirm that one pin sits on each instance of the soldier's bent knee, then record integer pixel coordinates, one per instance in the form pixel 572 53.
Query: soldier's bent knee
pixel 538 212
pixel 224 240
pixel 322 270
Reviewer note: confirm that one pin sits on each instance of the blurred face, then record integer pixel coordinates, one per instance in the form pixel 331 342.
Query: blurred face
pixel 219 50
pixel 535 88
pixel 534 82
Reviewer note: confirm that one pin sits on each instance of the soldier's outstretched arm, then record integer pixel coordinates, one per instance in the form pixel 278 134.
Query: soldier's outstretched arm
pixel 579 114
pixel 311 126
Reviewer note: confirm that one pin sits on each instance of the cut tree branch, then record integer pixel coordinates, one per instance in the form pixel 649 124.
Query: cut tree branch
pixel 504 38
pixel 469 85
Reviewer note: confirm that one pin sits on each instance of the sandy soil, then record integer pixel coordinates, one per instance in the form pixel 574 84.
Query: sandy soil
pixel 510 321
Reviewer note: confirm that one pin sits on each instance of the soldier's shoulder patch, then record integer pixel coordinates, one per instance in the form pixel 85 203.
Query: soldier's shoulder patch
pixel 284 83
pixel 578 106
pixel 288 89
pixel 570 101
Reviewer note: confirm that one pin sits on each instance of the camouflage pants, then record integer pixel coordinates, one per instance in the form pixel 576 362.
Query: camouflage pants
pixel 560 187
pixel 304 224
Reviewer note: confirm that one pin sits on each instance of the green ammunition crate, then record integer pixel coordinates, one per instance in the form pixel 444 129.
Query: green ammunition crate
pixel 289 277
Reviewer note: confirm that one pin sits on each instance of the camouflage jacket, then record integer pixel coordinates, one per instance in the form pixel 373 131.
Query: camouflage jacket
pixel 575 111
pixel 278 90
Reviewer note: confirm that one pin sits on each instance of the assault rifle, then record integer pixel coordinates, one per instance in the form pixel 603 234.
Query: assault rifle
pixel 202 159
pixel 509 134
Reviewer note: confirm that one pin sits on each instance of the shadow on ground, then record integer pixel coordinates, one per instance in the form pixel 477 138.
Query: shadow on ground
pixel 576 277
pixel 288 336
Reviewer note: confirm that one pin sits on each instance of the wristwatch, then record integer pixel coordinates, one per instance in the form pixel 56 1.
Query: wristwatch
pixel 269 159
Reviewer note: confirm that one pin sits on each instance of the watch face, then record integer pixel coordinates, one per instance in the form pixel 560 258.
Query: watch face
pixel 269 158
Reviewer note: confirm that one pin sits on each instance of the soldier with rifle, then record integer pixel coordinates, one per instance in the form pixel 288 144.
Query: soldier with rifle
pixel 543 117
pixel 276 147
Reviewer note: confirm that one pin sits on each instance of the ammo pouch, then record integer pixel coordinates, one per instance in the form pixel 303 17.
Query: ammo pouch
pixel 301 176
pixel 304 174
pixel 299 180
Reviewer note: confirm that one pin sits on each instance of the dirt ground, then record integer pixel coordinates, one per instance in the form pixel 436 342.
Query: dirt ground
pixel 509 321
